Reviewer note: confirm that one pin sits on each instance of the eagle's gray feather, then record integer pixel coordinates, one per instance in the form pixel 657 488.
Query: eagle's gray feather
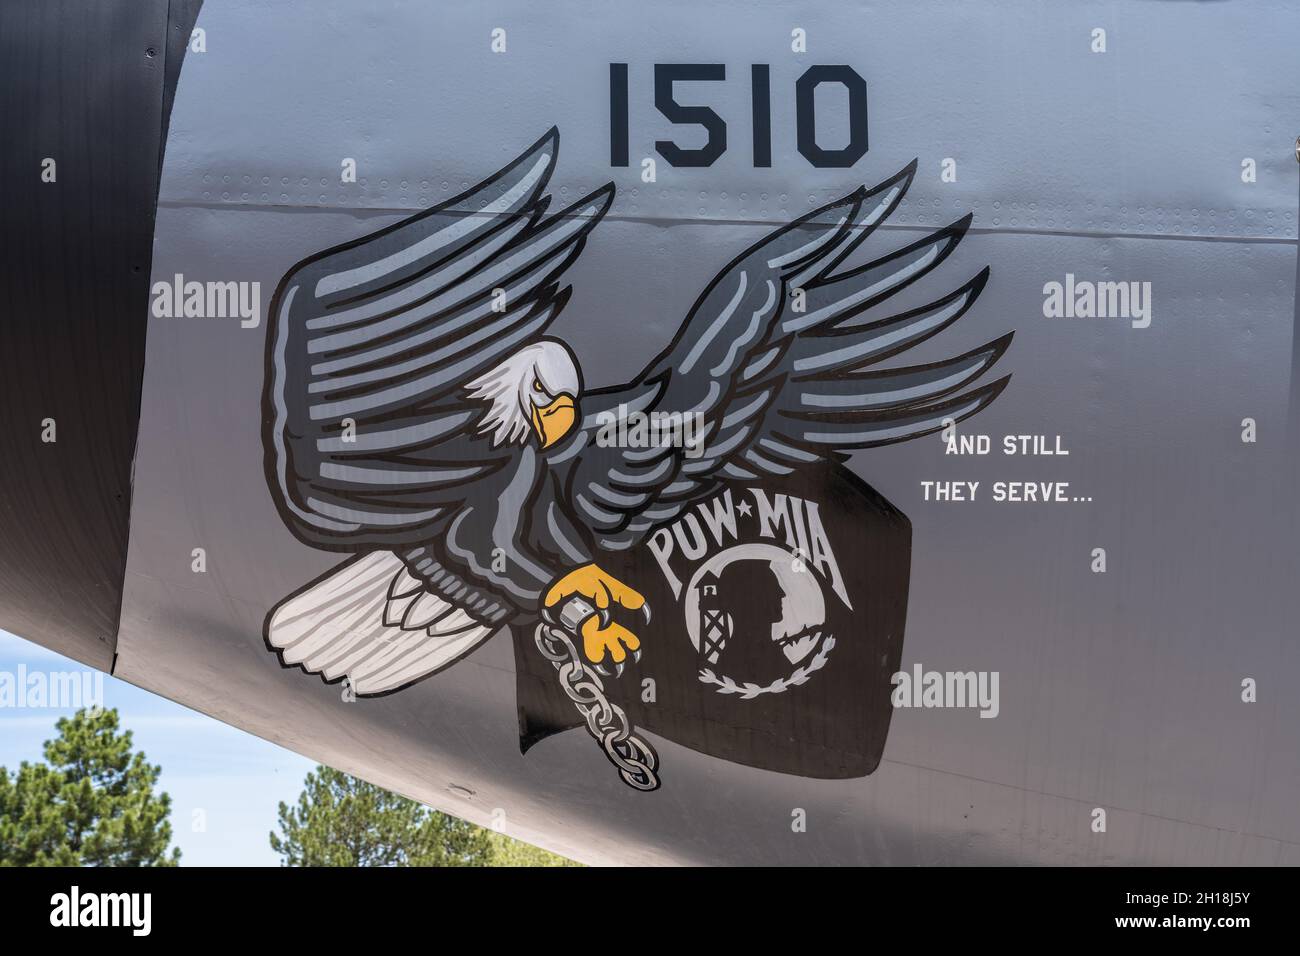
pixel 781 388
pixel 368 431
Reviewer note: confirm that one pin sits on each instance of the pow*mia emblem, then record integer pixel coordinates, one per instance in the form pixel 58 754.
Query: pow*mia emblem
pixel 752 587
pixel 781 607
pixel 694 526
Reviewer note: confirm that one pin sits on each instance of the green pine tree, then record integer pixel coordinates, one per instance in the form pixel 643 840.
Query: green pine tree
pixel 507 851
pixel 342 821
pixel 92 803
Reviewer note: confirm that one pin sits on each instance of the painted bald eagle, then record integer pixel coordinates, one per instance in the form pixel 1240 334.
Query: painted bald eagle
pixel 415 413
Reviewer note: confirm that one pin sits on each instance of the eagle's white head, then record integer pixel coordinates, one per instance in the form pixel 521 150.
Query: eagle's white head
pixel 536 388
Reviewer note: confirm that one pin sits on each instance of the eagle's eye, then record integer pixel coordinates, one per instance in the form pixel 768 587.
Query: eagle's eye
pixel 537 385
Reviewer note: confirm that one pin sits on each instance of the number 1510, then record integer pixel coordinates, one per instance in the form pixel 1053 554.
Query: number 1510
pixel 668 74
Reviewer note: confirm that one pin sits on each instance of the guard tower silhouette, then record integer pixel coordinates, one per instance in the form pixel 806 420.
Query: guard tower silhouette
pixel 714 627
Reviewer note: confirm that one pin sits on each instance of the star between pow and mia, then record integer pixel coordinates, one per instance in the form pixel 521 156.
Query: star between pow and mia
pixel 451 445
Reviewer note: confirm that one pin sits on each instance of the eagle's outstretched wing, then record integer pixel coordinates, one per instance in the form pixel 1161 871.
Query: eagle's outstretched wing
pixel 369 440
pixel 778 355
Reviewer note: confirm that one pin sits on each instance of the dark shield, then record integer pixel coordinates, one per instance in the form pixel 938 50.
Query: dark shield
pixel 778 616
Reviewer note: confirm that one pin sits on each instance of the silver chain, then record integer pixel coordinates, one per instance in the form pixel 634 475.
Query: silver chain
pixel 635 759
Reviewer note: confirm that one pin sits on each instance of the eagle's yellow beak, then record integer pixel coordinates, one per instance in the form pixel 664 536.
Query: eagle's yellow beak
pixel 552 422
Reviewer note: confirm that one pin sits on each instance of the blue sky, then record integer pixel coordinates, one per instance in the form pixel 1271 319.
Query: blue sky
pixel 235 780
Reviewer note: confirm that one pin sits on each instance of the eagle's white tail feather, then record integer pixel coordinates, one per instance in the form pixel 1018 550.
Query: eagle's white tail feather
pixel 297 617
pixel 453 623
pixel 404 584
pixel 424 610
pixel 366 622
pixel 409 667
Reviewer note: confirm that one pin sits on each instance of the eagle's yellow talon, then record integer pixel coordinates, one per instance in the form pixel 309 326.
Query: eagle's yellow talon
pixel 614 639
pixel 600 635
pixel 598 587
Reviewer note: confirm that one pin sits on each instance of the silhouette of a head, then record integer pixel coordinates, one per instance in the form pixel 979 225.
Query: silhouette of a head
pixel 752 595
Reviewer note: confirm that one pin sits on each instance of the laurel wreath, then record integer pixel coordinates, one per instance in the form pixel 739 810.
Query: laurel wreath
pixel 749 690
